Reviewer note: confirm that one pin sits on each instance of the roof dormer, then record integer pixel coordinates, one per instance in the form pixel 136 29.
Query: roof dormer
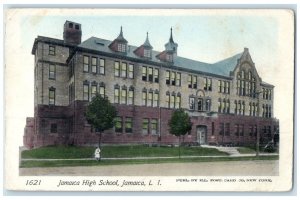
pixel 119 44
pixel 171 46
pixel 170 50
pixel 145 50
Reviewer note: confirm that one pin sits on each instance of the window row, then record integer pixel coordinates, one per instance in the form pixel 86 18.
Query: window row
pixel 173 100
pixel 224 87
pixel 94 65
pixel 123 69
pixel 199 103
pixel 253 109
pixel 207 84
pixel 224 129
pixel 90 90
pixel 192 81
pixel 150 98
pixel 124 95
pixel 224 106
pixel 150 74
pixel 125 124
pixel 267 94
pixel 173 78
pixel 239 107
pixel 266 111
pixel 246 84
pixel 119 125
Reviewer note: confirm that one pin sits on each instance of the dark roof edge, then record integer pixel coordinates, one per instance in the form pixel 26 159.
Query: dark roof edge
pixel 48 40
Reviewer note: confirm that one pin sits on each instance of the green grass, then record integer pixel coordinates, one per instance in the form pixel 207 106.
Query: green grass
pixel 63 152
pixel 246 150
pixel 64 163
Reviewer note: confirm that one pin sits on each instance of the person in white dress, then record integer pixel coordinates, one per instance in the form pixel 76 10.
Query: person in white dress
pixel 97 154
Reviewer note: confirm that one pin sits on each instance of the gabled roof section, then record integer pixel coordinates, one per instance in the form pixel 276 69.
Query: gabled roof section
pixel 221 68
pixel 224 67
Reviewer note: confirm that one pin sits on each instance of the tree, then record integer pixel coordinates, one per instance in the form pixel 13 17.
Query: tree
pixel 180 124
pixel 100 113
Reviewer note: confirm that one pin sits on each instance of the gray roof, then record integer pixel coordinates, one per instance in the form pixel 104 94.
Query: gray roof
pixel 221 68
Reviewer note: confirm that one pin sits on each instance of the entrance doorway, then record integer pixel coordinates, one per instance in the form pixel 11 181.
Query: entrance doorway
pixel 202 134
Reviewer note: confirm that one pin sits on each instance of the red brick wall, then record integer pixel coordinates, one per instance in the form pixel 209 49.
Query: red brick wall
pixel 72 127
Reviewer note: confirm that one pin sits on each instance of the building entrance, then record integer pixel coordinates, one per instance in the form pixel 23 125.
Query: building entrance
pixel 202 134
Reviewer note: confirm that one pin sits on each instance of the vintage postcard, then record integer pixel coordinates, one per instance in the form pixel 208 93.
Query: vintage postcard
pixel 149 99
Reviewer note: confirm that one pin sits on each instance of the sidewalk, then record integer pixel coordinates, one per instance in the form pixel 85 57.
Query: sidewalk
pixel 152 158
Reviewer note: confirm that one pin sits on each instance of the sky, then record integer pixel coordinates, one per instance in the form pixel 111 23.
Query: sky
pixel 206 36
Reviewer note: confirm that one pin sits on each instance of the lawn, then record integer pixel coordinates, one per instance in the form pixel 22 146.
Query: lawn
pixel 246 150
pixel 63 152
pixel 62 163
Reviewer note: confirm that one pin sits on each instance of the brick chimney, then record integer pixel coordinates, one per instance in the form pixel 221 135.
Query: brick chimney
pixel 72 33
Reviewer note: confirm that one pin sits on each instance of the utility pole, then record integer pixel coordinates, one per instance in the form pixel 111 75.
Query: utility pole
pixel 258 130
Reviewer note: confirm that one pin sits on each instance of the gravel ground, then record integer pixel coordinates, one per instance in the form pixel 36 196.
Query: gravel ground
pixel 229 168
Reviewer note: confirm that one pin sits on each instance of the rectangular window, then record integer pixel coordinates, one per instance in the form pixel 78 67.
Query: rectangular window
pixel 52 96
pixel 168 77
pixel 130 71
pixel 94 91
pixel 124 96
pixel 85 92
pixel 190 81
pixel 124 70
pixel 173 78
pixel 168 100
pixel 178 79
pixel 156 75
pixel 220 85
pixel 150 98
pixel 150 74
pixel 227 87
pixel 144 73
pixel 172 101
pixel 52 72
pixel 144 98
pixel 219 106
pixel 208 84
pixel 102 66
pixel 53 128
pixel 192 103
pixel 241 129
pixel 207 104
pixel 224 86
pixel 145 126
pixel 130 97
pixel 154 126
pixel 221 129
pixel 155 100
pixel 227 129
pixel 86 63
pixel 128 125
pixel 212 128
pixel 250 130
pixel 236 130
pixel 147 53
pixel 178 102
pixel 195 82
pixel 121 47
pixel 52 50
pixel 117 68
pixel 117 95
pixel 102 91
pixel 94 65
pixel 118 125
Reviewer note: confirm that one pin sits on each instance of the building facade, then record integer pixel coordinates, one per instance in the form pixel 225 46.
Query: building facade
pixel 228 102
